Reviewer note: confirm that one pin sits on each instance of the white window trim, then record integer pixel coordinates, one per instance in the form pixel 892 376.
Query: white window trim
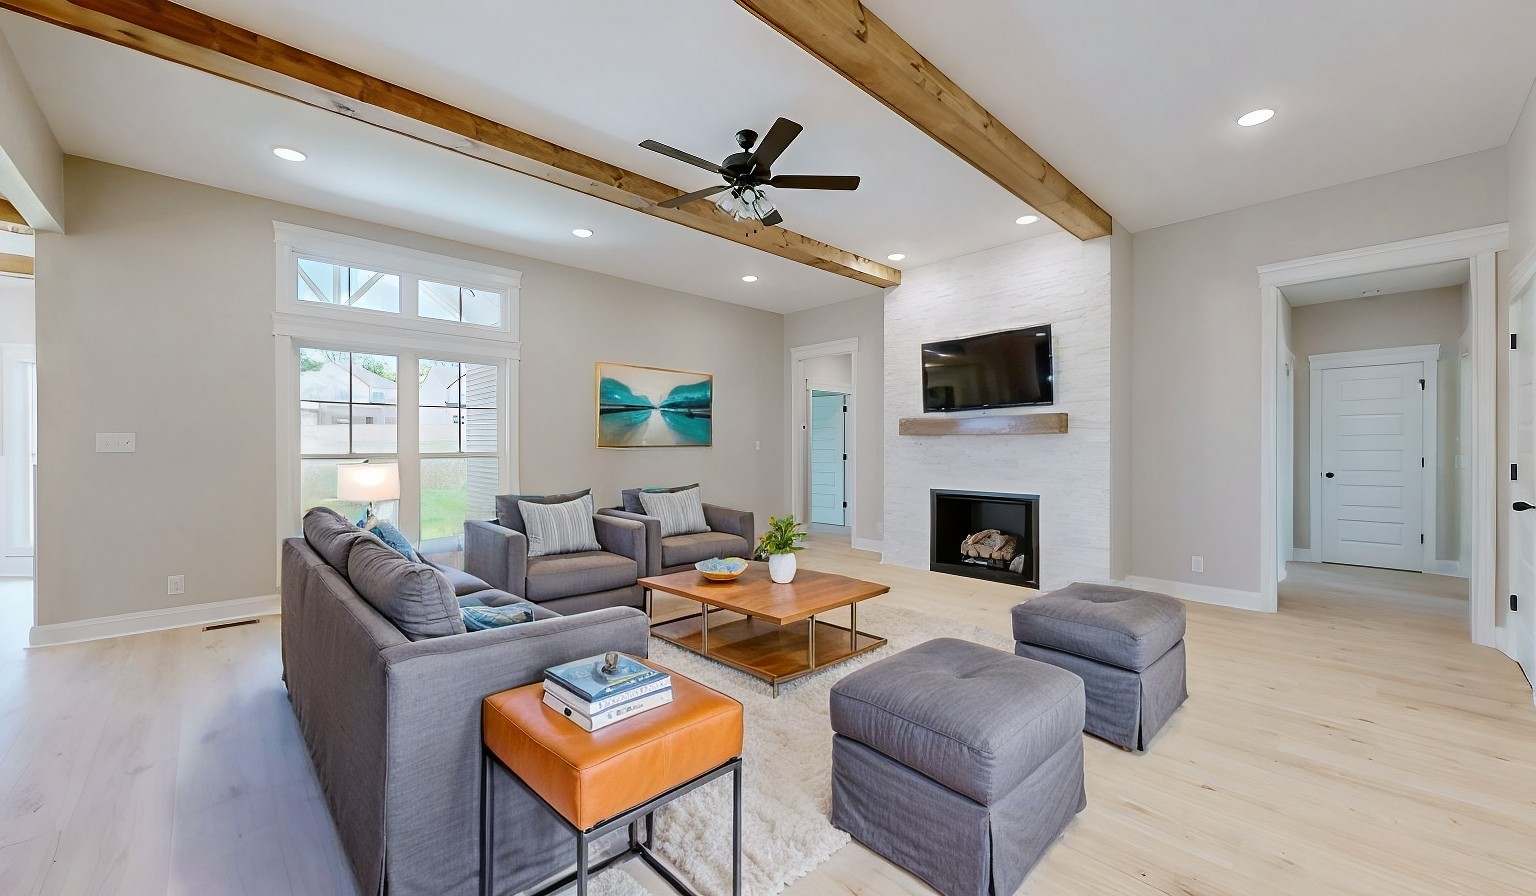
pixel 410 265
pixel 410 338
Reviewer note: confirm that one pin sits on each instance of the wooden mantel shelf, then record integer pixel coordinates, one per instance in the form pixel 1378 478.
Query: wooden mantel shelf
pixel 1001 425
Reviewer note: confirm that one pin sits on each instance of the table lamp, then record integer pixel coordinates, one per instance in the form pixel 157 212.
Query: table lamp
pixel 368 482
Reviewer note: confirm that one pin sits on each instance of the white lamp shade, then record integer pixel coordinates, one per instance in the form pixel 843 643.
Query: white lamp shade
pixel 368 482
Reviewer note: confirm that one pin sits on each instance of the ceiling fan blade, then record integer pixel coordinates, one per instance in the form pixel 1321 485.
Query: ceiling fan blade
pixel 689 197
pixel 779 137
pixel 773 219
pixel 815 182
pixel 681 156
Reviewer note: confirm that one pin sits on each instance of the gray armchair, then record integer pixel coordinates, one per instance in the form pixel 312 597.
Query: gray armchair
pixel 731 534
pixel 565 583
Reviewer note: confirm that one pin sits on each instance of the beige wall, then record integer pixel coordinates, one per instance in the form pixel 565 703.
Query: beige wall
pixel 18 315
pixel 155 317
pixel 1195 326
pixel 862 318
pixel 1423 317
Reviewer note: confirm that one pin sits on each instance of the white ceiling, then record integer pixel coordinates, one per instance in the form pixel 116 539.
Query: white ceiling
pixel 1135 102
pixel 1383 283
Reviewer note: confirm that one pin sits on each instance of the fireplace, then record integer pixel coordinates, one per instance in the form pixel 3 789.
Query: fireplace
pixel 986 535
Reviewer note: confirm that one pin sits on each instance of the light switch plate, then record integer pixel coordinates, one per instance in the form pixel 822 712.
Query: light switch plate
pixel 116 442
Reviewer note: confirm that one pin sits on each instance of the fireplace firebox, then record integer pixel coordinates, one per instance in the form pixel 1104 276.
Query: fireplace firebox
pixel 986 535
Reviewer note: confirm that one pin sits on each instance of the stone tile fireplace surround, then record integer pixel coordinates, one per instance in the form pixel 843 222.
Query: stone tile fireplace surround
pixel 1053 279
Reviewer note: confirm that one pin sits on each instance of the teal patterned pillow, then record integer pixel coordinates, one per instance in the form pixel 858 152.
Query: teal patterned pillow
pixel 480 618
pixel 391 536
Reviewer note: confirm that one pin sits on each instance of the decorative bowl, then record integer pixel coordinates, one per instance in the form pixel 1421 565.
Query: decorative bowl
pixel 718 570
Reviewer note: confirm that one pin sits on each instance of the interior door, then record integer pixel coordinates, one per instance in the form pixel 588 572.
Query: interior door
pixel 1520 624
pixel 1373 456
pixel 829 458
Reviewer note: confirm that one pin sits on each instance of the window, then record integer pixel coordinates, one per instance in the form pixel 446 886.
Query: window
pixel 392 355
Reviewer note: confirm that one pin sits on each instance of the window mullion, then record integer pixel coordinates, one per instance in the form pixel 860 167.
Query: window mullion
pixel 408 412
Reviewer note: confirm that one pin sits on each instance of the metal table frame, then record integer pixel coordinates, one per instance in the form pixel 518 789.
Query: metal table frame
pixel 641 848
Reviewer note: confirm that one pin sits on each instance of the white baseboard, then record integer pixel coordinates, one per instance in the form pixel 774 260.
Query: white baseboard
pixel 1303 555
pixel 152 621
pixel 1202 594
pixel 869 544
pixel 1451 568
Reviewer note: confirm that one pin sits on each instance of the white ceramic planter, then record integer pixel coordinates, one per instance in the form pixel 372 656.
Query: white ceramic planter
pixel 781 568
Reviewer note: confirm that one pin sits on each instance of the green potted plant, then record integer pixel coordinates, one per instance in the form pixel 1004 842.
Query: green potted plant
pixel 783 538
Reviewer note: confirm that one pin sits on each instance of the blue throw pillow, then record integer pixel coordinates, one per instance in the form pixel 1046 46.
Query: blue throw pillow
pixel 391 536
pixel 480 618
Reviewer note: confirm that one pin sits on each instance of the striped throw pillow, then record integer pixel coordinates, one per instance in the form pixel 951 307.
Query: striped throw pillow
pixel 559 528
pixel 680 512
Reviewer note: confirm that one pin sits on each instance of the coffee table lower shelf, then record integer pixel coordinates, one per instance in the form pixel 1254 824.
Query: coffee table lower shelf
pixel 774 653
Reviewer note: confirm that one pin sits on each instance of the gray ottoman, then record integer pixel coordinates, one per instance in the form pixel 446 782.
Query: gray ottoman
pixel 959 763
pixel 1126 645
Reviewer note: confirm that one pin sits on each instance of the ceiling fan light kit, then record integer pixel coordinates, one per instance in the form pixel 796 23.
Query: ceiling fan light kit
pixel 746 173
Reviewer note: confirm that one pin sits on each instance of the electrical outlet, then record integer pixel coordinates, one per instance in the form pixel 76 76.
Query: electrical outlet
pixel 175 584
pixel 1197 564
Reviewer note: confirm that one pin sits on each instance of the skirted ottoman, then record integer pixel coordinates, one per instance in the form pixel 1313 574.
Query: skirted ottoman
pixel 1126 645
pixel 960 763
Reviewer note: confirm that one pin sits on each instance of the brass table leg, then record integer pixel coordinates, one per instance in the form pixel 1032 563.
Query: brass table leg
pixel 811 645
pixel 705 607
pixel 853 626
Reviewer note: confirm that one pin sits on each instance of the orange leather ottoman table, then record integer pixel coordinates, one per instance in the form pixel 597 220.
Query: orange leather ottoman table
pixel 600 781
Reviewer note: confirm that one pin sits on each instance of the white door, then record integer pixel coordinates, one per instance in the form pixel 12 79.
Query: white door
pixel 1373 458
pixel 829 458
pixel 1521 621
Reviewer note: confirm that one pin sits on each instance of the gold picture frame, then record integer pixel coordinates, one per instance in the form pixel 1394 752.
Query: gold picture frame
pixel 653 407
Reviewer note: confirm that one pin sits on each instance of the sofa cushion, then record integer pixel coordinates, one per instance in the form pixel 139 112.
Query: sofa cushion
pixel 463 583
pixel 630 497
pixel 331 535
pixel 386 532
pixel 415 597
pixel 1119 626
pixel 508 516
pixel 564 575
pixel 686 550
pixel 976 720
pixel 478 617
pixel 680 512
pixel 560 528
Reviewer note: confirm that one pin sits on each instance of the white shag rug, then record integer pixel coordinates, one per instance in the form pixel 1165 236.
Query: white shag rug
pixel 787 769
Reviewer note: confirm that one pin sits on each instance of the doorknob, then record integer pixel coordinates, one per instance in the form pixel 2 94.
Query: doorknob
pixel 1327 475
pixel 1521 505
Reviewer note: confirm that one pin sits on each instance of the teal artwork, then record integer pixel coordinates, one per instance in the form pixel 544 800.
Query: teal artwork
pixel 653 407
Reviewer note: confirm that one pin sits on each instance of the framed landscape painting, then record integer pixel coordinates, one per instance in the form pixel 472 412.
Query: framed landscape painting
pixel 653 407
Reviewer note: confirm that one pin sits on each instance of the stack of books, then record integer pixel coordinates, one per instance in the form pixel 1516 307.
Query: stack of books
pixel 598 691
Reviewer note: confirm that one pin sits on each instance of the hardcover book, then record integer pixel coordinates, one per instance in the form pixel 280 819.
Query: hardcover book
pixel 593 707
pixel 608 717
pixel 599 677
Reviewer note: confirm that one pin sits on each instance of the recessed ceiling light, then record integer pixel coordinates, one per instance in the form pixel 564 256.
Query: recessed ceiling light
pixel 896 256
pixel 1257 116
pixel 1027 219
pixel 581 232
pixel 749 279
pixel 291 155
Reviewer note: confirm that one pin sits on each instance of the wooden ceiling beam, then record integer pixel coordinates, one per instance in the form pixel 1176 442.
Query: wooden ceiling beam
pixel 185 36
pixel 21 265
pixel 856 44
pixel 11 219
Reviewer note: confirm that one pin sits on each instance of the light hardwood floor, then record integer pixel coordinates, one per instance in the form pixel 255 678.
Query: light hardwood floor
pixel 1353 743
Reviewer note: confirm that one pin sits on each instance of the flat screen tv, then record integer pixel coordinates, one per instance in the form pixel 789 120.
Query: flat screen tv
pixel 994 370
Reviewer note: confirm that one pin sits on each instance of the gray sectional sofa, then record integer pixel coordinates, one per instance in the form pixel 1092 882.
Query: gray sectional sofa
pixel 391 713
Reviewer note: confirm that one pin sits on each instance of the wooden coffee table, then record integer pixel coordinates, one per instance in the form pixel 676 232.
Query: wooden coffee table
pixel 777 637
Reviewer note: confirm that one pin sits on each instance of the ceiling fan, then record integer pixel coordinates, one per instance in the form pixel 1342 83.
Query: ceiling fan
pixel 747 172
